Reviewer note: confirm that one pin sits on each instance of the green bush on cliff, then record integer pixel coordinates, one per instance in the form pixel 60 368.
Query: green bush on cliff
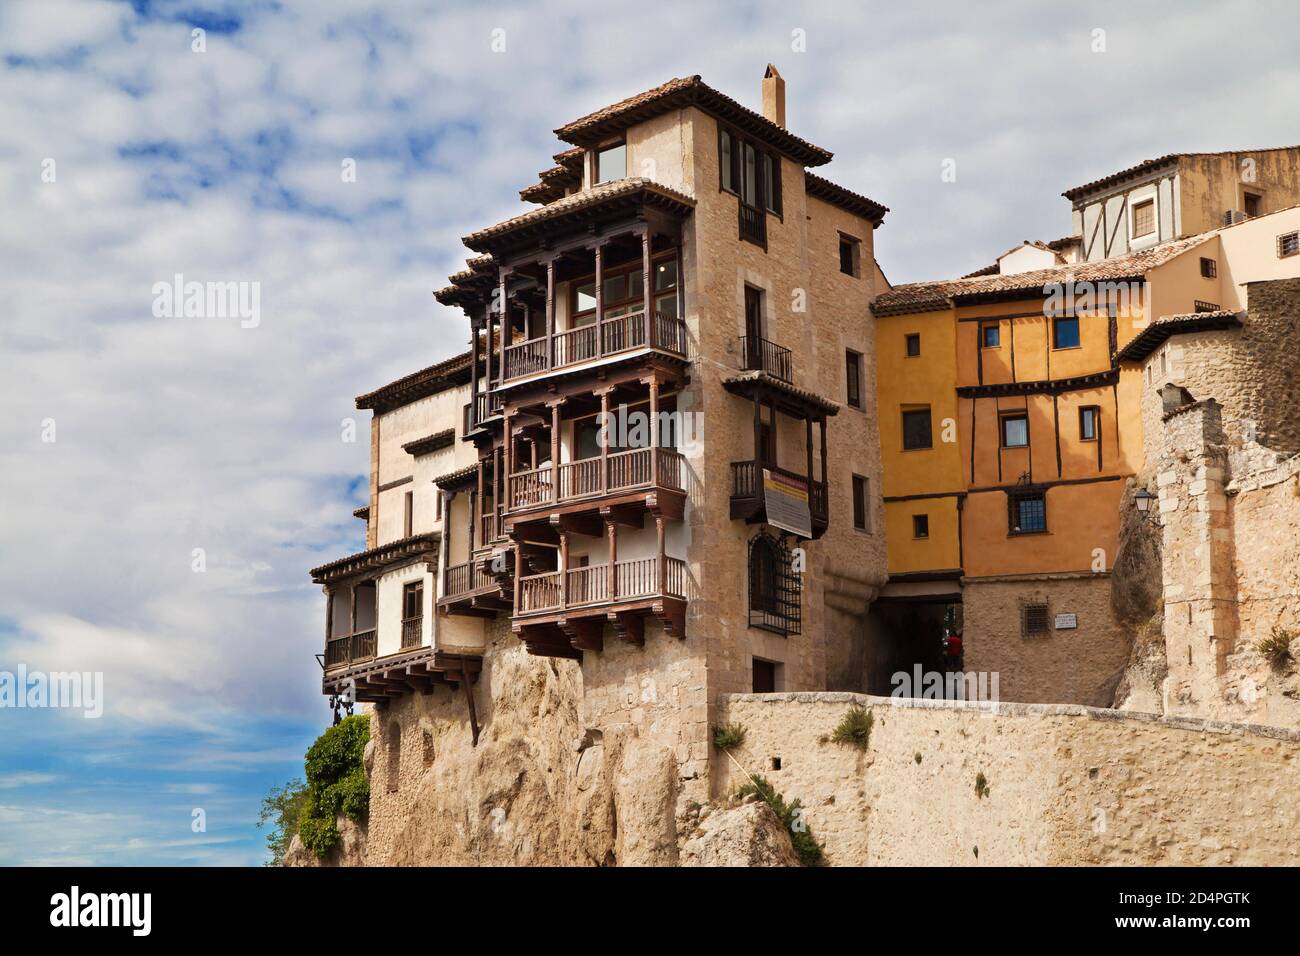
pixel 336 783
pixel 791 816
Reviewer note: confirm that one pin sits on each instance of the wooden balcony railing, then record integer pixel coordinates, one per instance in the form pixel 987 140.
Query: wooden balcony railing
pixel 349 649
pixel 486 405
pixel 625 471
pixel 487 529
pixel 760 355
pixel 465 579
pixel 747 482
pixel 412 632
pixel 753 224
pixel 587 586
pixel 619 334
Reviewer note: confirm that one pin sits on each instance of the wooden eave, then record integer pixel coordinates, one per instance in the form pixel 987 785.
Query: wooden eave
pixel 393 553
pixel 1055 386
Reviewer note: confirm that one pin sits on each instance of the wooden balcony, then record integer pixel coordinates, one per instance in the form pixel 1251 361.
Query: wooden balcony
pixel 472 589
pixel 412 632
pixel 760 355
pixel 349 649
pixel 625 333
pixel 418 670
pixel 596 479
pixel 562 613
pixel 753 224
pixel 747 501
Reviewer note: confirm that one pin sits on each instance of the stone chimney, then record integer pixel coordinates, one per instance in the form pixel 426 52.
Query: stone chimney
pixel 774 96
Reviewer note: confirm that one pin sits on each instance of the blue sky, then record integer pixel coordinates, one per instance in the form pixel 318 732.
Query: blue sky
pixel 176 434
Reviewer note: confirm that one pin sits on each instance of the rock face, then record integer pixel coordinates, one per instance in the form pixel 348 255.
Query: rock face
pixel 745 835
pixel 351 850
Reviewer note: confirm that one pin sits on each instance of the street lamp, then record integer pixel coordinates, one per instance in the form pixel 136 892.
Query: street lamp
pixel 1143 499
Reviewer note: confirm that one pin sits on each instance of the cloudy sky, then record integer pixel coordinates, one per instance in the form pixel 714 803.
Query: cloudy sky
pixel 138 448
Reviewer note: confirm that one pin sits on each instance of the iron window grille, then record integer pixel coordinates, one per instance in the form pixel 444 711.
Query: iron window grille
pixel 1026 512
pixel 1034 620
pixel 775 588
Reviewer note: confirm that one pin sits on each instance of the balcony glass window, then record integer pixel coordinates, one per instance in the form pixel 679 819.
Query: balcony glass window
pixel 666 275
pixel 611 163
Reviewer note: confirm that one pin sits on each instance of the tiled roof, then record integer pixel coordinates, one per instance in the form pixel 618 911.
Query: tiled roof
pixel 376 558
pixel 846 199
pixel 457 477
pixel 1150 338
pixel 578 203
pixel 737 384
pixel 927 296
pixel 428 381
pixel 589 130
pixel 430 443
pixel 1148 165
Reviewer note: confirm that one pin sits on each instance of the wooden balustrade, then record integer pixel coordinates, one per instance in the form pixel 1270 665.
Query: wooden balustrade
pixel 633 579
pixel 466 579
pixel 412 632
pixel 627 470
pixel 614 335
pixel 363 645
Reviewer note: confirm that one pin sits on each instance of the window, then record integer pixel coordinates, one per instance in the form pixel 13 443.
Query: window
pixel 920 526
pixel 850 256
pixel 990 336
pixel 1209 268
pixel 1034 620
pixel 764 676
pixel 726 160
pixel 1254 205
pixel 1089 421
pixel 611 163
pixel 913 344
pixel 1028 512
pixel 1065 333
pixel 916 429
pixel 624 292
pixel 853 377
pixel 774 587
pixel 412 600
pixel 772 181
pixel 1015 430
pixel 408 515
pixel 437 506
pixel 1201 306
pixel 861 503
pixel 1288 244
pixel 1144 219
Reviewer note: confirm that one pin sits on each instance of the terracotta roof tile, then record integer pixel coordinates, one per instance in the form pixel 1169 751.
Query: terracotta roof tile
pixel 1147 165
pixel 927 296
pixel 409 388
pixel 1150 338
pixel 575 203
pixel 846 199
pixel 589 130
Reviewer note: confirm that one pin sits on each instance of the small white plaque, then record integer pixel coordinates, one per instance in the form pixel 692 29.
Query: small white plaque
pixel 1066 621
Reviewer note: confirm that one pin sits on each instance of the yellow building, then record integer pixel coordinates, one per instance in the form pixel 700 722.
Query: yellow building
pixel 1008 430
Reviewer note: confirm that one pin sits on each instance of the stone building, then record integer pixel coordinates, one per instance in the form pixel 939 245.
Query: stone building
pixel 1221 403
pixel 653 480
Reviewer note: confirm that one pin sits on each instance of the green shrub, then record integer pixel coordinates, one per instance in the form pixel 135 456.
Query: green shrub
pixel 336 783
pixel 801 836
pixel 1276 648
pixel 282 806
pixel 854 729
pixel 728 736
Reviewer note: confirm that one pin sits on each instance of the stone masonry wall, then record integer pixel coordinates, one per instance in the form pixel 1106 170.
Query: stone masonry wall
pixel 1065 784
pixel 1079 665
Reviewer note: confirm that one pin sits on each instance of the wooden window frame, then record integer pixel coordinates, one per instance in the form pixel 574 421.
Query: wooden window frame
pixel 903 422
pixel 1096 422
pixel 1209 268
pixel 1078 327
pixel 854 246
pixel 764 159
pixel 860 487
pixel 595 161
pixel 415 588
pixel 1139 207
pixel 995 327
pixel 408 514
pixel 909 339
pixel 854 396
pixel 630 267
pixel 921 527
pixel 1003 418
